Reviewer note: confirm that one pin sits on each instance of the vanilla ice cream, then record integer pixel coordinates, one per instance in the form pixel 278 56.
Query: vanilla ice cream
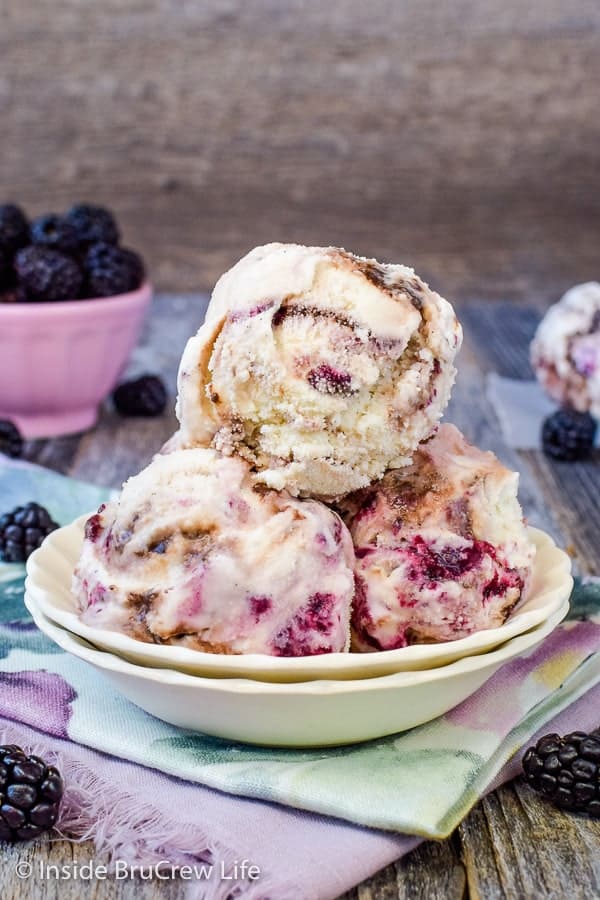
pixel 194 553
pixel 320 368
pixel 441 547
pixel 565 352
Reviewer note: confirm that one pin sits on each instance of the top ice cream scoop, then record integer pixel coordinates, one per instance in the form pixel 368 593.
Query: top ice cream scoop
pixel 565 351
pixel 194 553
pixel 320 368
pixel 441 547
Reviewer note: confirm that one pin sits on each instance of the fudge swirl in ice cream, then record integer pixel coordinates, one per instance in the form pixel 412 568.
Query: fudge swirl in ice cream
pixel 194 553
pixel 320 368
pixel 565 352
pixel 441 547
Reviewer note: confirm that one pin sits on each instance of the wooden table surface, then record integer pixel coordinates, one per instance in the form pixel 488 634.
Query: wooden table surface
pixel 462 136
pixel 512 844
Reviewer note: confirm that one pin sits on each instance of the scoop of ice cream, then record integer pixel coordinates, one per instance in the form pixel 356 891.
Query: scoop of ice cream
pixel 565 352
pixel 441 547
pixel 321 368
pixel 193 553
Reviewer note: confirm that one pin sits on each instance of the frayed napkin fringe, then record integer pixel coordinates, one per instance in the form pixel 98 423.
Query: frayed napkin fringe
pixel 123 828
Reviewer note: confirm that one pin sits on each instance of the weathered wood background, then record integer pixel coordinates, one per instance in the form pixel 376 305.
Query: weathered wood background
pixel 462 137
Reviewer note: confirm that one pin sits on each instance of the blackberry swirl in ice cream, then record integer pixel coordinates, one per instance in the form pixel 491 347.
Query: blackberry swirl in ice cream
pixel 322 369
pixel 194 553
pixel 565 352
pixel 441 547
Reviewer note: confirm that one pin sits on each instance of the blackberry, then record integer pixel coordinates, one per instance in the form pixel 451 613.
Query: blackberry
pixel 30 794
pixel 112 270
pixel 568 435
pixel 23 530
pixel 46 274
pixel 93 224
pixel 55 232
pixel 14 228
pixel 11 441
pixel 145 396
pixel 567 770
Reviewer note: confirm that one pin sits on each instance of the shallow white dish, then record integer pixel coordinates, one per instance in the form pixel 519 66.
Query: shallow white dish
pixel 309 714
pixel 49 581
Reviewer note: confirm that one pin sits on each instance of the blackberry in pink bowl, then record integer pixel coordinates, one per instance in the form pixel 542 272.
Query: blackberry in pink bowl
pixel 46 275
pixel 65 257
pixel 112 270
pixel 55 232
pixel 14 228
pixel 72 303
pixel 93 224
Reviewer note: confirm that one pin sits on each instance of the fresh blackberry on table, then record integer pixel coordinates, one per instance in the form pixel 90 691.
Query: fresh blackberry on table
pixel 568 435
pixel 145 396
pixel 22 531
pixel 47 275
pixel 112 270
pixel 93 224
pixel 14 228
pixel 566 770
pixel 55 232
pixel 11 440
pixel 30 794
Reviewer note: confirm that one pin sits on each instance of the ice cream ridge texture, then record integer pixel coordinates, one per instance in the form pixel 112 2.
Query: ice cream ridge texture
pixel 565 352
pixel 321 368
pixel 441 547
pixel 193 553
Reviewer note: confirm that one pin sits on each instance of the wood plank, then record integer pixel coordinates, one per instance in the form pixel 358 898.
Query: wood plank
pixel 44 885
pixel 433 871
pixel 458 137
pixel 515 844
pixel 512 844
pixel 500 334
pixel 470 411
pixel 572 490
pixel 57 454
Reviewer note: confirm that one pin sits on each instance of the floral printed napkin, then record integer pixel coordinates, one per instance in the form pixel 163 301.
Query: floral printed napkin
pixel 422 782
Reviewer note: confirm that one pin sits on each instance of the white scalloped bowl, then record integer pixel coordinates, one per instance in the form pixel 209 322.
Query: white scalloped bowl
pixel 308 714
pixel 50 568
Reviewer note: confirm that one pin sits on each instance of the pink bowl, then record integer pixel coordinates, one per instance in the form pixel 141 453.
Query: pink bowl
pixel 58 361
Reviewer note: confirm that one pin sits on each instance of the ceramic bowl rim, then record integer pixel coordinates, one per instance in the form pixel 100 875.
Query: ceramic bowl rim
pixel 39 583
pixel 106 660
pixel 24 311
